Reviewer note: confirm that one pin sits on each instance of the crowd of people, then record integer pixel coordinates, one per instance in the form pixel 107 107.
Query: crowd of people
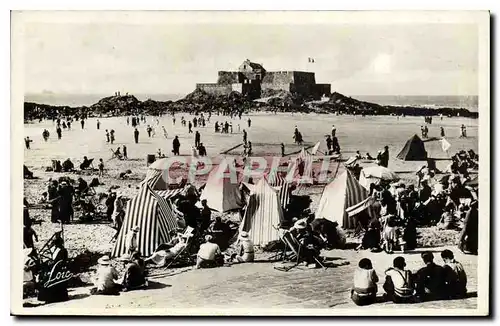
pixel 397 210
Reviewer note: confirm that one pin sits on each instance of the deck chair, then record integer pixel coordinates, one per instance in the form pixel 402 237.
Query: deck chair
pixel 290 242
pixel 116 154
pixel 86 165
pixel 189 233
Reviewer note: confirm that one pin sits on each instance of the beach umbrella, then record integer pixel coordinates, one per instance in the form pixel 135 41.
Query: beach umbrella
pixel 376 174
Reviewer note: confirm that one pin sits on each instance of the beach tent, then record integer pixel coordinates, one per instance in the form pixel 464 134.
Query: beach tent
pixel 376 174
pixel 156 174
pixel 222 193
pixel 155 218
pixel 414 150
pixel 278 183
pixel 342 193
pixel 263 214
pixel 305 176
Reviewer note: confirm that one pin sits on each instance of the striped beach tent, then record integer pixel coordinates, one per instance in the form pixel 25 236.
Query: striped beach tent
pixel 153 214
pixel 263 214
pixel 278 182
pixel 342 194
pixel 155 175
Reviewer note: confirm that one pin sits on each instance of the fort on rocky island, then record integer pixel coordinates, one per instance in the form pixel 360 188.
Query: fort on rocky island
pixel 252 80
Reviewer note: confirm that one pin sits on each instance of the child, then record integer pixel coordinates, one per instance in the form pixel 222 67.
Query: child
pixel 390 235
pixel 364 291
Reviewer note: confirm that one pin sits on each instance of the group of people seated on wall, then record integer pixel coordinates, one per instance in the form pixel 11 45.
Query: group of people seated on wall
pixel 431 282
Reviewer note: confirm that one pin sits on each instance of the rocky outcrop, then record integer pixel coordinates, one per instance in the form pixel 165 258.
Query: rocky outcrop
pixel 234 102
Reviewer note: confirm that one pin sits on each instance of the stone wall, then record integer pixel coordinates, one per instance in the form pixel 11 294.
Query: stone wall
pixel 228 77
pixel 274 86
pixel 278 77
pixel 215 89
pixel 303 78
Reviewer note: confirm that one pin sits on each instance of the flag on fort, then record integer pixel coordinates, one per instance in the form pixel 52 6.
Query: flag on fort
pixel 311 60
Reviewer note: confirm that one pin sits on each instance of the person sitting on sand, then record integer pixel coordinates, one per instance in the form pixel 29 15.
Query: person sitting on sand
pixel 398 283
pixel 68 166
pixel 105 278
pixel 135 274
pixel 369 157
pixel 209 254
pixel 371 238
pixel 364 291
pixel 169 250
pixel 455 276
pixel 202 151
pixel 245 252
pixel 430 283
pixel 131 240
pixel 447 221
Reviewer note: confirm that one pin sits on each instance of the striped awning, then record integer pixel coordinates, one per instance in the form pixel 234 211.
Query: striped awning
pixel 167 194
pixel 153 214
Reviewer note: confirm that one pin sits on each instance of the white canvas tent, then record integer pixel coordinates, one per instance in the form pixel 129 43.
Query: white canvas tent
pixel 339 195
pixel 263 214
pixel 222 193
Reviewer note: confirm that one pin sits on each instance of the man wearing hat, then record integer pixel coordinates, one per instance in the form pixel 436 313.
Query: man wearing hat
pixel 245 249
pixel 105 278
pixel 208 253
pixel 131 240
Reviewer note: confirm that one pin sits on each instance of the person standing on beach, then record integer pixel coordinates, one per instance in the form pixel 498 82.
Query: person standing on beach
pixel 82 122
pixel 149 130
pixel 249 122
pixel 334 131
pixel 69 124
pixel 176 144
pixel 282 150
pixel 190 126
pixel 59 132
pixel 197 139
pixel 136 135
pixel 125 152
pixel 244 136
pixel 98 124
pixel 107 136
pixel 384 158
pixel 101 167
pixel 27 142
pixel 112 136
pixel 442 132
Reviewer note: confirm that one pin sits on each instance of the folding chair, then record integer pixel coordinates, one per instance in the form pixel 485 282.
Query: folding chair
pixel 115 155
pixel 188 233
pixel 291 243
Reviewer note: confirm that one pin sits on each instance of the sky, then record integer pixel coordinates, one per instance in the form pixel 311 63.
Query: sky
pixel 93 57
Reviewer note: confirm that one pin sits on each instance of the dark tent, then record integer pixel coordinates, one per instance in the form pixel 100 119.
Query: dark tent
pixel 414 150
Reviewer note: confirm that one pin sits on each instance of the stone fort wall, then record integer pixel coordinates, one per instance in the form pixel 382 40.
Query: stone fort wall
pixel 292 81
